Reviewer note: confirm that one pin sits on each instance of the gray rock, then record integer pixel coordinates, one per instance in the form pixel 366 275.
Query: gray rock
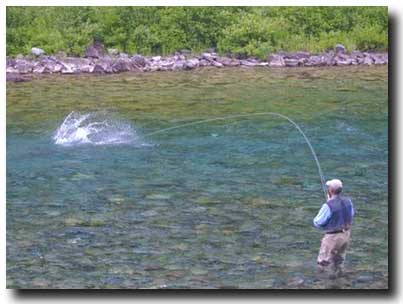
pixel 209 57
pixel 342 59
pixel 138 61
pixel 204 62
pixel 95 50
pixel 275 60
pixel 291 62
pixel 10 61
pixel 19 56
pixel 122 65
pixel 314 61
pixel 23 66
pixel 217 64
pixel 340 48
pixel 248 63
pixel 37 51
pixel 379 58
pixel 156 58
pixel 367 59
pixel 191 64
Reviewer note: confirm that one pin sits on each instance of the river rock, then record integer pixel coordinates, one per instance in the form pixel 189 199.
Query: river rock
pixel 217 64
pixel 209 57
pixel 191 64
pixel 342 59
pixel 367 59
pixel 275 60
pixel 224 60
pixel 291 62
pixel 340 48
pixel 23 66
pixel 102 66
pixel 95 50
pixel 248 62
pixel 313 61
pixel 379 58
pixel 37 51
pixel 138 61
pixel 122 65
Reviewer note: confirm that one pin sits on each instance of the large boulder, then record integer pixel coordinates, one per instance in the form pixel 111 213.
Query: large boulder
pixel 95 50
pixel 37 51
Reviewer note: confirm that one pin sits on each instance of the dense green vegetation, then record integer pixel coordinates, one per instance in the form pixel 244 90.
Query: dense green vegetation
pixel 251 31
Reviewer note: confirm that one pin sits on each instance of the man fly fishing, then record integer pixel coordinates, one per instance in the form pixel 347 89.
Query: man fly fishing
pixel 335 217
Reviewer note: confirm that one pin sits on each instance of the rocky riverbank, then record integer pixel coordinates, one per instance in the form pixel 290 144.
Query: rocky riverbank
pixel 99 61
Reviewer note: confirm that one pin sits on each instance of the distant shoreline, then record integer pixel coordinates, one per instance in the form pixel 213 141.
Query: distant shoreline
pixel 97 61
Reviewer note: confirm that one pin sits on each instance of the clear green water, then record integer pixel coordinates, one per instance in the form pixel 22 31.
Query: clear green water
pixel 225 204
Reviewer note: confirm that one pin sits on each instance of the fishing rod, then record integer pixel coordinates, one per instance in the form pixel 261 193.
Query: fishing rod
pixel 322 179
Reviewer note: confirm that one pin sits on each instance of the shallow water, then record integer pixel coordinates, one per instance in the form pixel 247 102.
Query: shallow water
pixel 223 204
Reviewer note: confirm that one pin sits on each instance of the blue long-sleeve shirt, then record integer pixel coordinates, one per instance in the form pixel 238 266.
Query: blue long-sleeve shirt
pixel 324 215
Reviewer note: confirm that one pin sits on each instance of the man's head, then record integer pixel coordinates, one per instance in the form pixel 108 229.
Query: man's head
pixel 334 186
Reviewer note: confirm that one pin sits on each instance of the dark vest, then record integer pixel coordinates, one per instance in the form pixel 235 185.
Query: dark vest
pixel 341 218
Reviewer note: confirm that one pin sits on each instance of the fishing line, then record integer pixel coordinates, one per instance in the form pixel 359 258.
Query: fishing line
pixel 322 179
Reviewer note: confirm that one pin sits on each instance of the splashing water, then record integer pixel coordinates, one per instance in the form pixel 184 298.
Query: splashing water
pixel 95 128
pixel 322 178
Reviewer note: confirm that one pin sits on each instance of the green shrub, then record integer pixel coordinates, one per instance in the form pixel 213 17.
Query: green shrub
pixel 248 31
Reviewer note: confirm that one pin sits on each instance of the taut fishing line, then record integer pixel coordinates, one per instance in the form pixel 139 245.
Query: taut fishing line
pixel 322 179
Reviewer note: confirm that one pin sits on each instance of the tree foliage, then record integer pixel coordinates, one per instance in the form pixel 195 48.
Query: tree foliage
pixel 248 31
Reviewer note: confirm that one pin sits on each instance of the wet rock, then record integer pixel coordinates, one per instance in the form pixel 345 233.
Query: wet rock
pixel 249 62
pixel 209 57
pixel 122 65
pixel 329 59
pixel 314 61
pixel 340 48
pixel 95 50
pixel 37 51
pixel 291 62
pixel 217 64
pixel 367 59
pixel 178 65
pixel 275 60
pixel 138 61
pixel 103 66
pixel 379 58
pixel 191 64
pixel 342 59
pixel 23 66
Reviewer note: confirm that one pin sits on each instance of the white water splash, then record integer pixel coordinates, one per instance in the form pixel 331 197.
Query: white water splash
pixel 95 128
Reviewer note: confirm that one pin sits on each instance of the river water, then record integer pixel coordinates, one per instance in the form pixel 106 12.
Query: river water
pixel 92 202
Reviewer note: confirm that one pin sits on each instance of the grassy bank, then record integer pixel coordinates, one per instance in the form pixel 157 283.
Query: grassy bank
pixel 250 31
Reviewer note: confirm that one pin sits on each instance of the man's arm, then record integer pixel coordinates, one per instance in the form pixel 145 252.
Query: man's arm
pixel 323 216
